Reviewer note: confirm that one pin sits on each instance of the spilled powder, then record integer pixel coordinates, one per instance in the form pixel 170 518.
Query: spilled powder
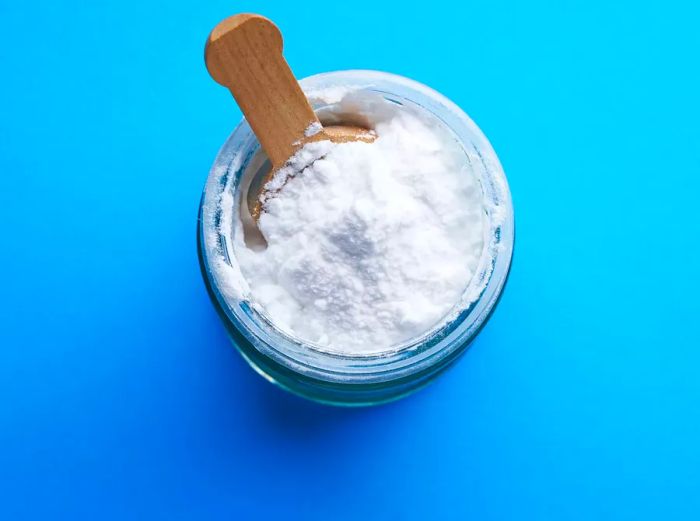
pixel 369 245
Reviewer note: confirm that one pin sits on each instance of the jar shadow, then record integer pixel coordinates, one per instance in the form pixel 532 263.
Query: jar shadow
pixel 298 416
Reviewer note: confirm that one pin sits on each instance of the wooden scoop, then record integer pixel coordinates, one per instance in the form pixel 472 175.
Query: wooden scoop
pixel 244 53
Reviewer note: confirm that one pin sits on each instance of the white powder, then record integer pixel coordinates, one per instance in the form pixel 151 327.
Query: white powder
pixel 369 245
pixel 313 129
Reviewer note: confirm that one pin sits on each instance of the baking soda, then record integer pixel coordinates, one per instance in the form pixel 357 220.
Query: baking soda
pixel 369 245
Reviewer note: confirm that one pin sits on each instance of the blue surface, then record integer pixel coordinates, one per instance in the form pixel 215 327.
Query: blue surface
pixel 120 397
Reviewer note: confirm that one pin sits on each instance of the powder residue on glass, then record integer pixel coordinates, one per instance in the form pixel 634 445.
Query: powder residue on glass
pixel 368 245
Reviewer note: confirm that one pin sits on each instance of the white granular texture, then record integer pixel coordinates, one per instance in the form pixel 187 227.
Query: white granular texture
pixel 369 245
pixel 313 129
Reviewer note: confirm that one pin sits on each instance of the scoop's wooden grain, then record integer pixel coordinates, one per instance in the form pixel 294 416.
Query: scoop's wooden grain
pixel 244 53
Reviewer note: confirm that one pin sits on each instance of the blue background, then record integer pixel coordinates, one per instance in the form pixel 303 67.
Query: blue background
pixel 120 396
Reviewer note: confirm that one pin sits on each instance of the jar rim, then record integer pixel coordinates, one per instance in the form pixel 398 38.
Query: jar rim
pixel 405 359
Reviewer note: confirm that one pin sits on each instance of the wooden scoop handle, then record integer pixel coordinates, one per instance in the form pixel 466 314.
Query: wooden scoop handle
pixel 244 53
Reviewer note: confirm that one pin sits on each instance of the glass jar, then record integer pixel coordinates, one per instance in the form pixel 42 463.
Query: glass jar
pixel 345 379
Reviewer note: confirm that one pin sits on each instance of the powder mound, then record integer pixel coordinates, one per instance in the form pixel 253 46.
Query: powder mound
pixel 369 244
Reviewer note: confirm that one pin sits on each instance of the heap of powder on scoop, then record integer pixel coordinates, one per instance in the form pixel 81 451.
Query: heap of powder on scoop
pixel 369 245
